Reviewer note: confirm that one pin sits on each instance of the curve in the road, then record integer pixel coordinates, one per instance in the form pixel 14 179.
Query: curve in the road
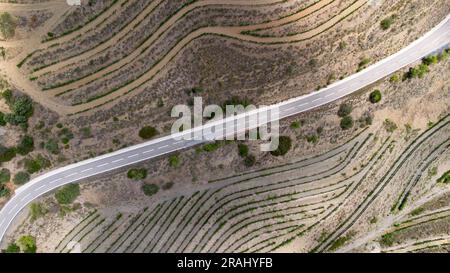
pixel 430 42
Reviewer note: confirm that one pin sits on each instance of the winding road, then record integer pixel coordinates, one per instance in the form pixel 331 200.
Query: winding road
pixel 436 39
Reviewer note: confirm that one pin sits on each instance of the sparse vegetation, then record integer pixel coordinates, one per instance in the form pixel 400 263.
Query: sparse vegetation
pixel 5 176
pixel 7 25
pixel 344 110
pixel 346 122
pixel 243 150
pixel 150 189
pixel 137 174
pixel 386 23
pixel 52 146
pixel 285 144
pixel 21 178
pixel 148 132
pixel 27 244
pixel 389 125
pixel 67 194
pixel 174 161
pixel 375 96
pixel 37 210
pixel 387 240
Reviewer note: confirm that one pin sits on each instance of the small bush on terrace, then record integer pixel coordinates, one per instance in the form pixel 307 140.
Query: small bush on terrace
pixel 26 145
pixel 137 174
pixel 148 132
pixel 346 122
pixel 4 191
pixel 37 211
pixel 249 160
pixel 21 109
pixel 344 110
pixel 7 154
pixel 27 244
pixel 386 23
pixel 150 189
pixel 387 240
pixel 21 178
pixel 174 161
pixel 285 144
pixel 52 146
pixel 36 164
pixel 2 119
pixel 389 125
pixel 375 96
pixel 243 149
pixel 67 194
pixel 12 248
pixel 7 25
pixel 5 176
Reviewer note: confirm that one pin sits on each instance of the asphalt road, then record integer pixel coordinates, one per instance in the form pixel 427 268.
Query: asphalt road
pixel 434 40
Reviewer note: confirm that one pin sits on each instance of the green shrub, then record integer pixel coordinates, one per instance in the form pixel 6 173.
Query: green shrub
pixel 37 211
pixel 148 132
pixel 312 138
pixel 150 189
pixel 67 194
pixel 344 110
pixel 5 176
pixel 2 119
pixel 26 145
pixel 4 191
pixel 7 25
pixel 394 78
pixel 86 132
pixel 375 96
pixel 429 60
pixel 285 144
pixel 445 178
pixel 197 90
pixel 174 161
pixel 52 146
pixel 295 125
pixel 211 147
pixel 137 174
pixel 21 178
pixel 363 63
pixel 243 149
pixel 23 106
pixel 27 244
pixel 36 164
pixel 167 186
pixel 12 248
pixel 249 160
pixel 7 154
pixel 387 240
pixel 389 125
pixel 7 95
pixel 347 122
pixel 386 23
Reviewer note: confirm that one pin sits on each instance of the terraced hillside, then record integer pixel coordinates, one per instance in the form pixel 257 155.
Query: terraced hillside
pixel 325 202
pixel 360 174
pixel 98 54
